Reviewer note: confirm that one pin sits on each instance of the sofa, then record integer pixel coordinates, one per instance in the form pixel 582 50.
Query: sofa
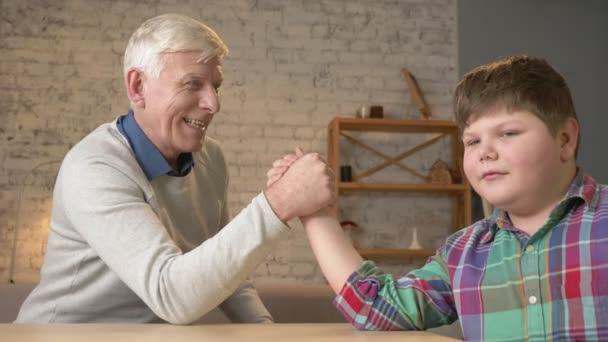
pixel 288 302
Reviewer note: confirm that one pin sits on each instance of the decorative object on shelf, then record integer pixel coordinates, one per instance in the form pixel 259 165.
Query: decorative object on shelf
pixel 362 112
pixel 440 173
pixel 376 112
pixel 346 173
pixel 416 94
pixel 415 244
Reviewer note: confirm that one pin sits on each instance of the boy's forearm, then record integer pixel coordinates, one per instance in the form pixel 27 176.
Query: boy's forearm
pixel 334 252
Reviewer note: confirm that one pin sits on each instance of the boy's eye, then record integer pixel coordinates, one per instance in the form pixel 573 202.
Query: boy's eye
pixel 217 87
pixel 509 133
pixel 471 142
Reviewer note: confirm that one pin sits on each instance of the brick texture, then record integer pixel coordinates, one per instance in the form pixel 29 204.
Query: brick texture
pixel 293 66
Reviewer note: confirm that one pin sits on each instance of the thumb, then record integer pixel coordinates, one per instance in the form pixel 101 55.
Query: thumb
pixel 299 152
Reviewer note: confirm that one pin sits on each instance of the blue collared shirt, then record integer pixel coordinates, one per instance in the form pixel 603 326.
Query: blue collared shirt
pixel 147 154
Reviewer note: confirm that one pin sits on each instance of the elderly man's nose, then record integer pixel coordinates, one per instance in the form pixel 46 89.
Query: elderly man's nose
pixel 209 101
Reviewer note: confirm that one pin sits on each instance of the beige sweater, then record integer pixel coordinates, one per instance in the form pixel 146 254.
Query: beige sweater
pixel 124 249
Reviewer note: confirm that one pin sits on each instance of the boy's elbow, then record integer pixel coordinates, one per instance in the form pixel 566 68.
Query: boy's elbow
pixel 367 327
pixel 385 326
pixel 363 326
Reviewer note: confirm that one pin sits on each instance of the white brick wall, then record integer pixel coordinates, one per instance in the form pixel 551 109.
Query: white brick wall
pixel 293 66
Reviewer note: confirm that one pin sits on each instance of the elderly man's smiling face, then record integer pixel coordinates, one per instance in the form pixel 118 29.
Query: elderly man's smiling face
pixel 180 104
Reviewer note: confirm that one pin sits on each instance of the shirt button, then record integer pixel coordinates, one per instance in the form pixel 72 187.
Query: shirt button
pixel 530 249
pixel 532 300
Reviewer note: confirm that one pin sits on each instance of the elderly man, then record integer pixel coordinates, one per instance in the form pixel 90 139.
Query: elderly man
pixel 140 229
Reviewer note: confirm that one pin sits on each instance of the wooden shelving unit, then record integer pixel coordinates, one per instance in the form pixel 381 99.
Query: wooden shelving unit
pixel 460 193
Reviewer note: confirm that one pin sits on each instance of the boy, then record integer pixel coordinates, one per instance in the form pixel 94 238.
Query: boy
pixel 536 269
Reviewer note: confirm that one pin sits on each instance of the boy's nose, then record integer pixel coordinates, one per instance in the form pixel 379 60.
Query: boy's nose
pixel 487 153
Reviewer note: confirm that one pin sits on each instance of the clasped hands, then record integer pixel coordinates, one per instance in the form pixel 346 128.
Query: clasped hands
pixel 300 185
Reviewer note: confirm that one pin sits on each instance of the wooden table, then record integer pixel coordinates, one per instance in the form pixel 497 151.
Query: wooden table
pixel 202 333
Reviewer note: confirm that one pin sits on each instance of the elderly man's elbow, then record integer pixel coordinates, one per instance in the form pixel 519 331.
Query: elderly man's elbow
pixel 179 319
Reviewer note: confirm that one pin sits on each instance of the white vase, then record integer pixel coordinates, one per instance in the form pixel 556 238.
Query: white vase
pixel 415 244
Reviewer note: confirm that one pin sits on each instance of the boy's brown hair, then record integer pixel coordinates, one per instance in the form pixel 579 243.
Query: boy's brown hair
pixel 515 83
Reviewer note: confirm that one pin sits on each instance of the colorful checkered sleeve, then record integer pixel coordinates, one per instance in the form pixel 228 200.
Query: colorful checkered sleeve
pixel 421 299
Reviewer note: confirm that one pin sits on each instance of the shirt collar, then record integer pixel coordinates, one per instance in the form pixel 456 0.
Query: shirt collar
pixel 498 220
pixel 147 154
pixel 582 187
pixel 585 187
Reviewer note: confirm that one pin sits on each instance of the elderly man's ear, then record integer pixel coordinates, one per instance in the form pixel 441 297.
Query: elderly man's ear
pixel 135 88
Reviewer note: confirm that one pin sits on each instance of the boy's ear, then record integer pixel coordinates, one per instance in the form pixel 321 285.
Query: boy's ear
pixel 135 87
pixel 568 138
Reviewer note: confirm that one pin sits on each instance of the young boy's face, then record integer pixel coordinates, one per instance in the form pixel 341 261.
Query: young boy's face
pixel 513 161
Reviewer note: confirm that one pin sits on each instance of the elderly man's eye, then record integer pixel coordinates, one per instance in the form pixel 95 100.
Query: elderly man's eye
pixel 194 84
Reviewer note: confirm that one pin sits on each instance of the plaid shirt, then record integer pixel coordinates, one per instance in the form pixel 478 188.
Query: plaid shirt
pixel 502 284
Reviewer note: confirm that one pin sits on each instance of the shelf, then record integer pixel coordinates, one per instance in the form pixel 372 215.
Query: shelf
pixel 459 193
pixel 393 187
pixel 382 253
pixel 391 125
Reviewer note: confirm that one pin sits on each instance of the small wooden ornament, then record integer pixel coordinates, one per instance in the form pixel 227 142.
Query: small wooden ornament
pixel 440 173
pixel 415 93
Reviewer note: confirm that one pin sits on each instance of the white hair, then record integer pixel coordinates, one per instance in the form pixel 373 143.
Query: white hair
pixel 170 33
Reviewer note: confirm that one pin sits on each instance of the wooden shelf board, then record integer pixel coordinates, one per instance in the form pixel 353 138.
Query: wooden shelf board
pixel 383 253
pixel 392 125
pixel 395 187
